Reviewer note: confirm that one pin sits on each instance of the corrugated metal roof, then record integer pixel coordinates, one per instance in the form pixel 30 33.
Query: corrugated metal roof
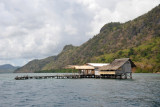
pixel 116 64
pixel 97 64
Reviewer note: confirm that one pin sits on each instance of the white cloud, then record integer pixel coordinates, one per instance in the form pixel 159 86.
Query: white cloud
pixel 105 11
pixel 70 30
pixel 32 29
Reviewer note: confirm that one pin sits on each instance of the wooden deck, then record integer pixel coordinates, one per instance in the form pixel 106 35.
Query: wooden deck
pixel 71 77
pixel 47 77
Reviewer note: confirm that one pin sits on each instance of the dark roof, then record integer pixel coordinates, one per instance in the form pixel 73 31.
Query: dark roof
pixel 116 64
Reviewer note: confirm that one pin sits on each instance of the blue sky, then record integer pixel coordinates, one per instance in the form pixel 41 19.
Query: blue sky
pixel 35 29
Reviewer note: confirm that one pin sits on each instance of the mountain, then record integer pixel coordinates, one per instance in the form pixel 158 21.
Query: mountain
pixel 7 68
pixel 138 39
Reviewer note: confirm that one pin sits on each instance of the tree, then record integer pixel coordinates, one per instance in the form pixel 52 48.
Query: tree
pixel 131 52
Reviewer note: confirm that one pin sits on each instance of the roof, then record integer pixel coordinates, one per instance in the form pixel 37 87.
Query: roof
pixel 116 64
pixel 84 67
pixel 79 67
pixel 97 64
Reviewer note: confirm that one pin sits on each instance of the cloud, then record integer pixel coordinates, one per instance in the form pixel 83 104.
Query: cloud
pixel 105 11
pixel 70 30
pixel 32 29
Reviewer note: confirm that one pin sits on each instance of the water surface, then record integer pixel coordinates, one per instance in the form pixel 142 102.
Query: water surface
pixel 142 91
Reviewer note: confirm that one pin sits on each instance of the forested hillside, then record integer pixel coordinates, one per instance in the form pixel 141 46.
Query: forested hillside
pixel 138 39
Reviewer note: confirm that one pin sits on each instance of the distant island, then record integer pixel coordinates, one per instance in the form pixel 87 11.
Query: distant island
pixel 138 40
pixel 7 68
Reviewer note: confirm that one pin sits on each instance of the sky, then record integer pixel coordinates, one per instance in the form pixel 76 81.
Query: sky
pixel 36 29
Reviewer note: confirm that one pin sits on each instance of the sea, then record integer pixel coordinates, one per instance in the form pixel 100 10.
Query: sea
pixel 141 91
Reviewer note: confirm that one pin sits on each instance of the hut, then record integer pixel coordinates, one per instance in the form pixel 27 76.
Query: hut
pixel 119 67
pixel 85 70
pixel 82 69
pixel 97 66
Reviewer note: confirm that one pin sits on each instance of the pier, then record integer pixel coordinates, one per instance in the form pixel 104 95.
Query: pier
pixel 71 77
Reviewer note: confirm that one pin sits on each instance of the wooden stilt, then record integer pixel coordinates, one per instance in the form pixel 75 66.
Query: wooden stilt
pixel 125 75
pixel 120 76
pixel 131 75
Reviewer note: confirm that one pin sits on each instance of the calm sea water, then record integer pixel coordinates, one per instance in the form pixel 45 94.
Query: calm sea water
pixel 142 91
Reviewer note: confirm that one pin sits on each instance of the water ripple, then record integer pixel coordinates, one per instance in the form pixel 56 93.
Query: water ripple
pixel 142 91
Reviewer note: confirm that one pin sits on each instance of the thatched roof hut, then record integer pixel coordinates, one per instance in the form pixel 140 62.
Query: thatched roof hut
pixel 86 67
pixel 80 67
pixel 116 64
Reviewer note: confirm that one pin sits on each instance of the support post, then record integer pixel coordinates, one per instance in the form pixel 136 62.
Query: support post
pixel 125 75
pixel 131 75
pixel 121 76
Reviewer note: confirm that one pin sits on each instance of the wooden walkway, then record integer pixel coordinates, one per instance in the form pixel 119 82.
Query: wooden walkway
pixel 56 77
pixel 69 77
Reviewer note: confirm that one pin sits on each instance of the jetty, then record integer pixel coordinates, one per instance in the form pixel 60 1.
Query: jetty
pixel 70 77
pixel 118 69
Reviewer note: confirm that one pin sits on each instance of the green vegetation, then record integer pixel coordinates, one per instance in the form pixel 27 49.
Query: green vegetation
pixel 137 39
pixel 145 56
pixel 57 71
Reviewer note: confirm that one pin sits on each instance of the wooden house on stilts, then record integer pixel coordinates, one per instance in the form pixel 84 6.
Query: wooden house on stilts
pixel 83 70
pixel 118 68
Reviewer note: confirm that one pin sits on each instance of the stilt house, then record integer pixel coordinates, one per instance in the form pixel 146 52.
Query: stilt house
pixel 118 67
pixel 83 69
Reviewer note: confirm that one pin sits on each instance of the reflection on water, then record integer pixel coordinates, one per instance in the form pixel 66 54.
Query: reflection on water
pixel 142 91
